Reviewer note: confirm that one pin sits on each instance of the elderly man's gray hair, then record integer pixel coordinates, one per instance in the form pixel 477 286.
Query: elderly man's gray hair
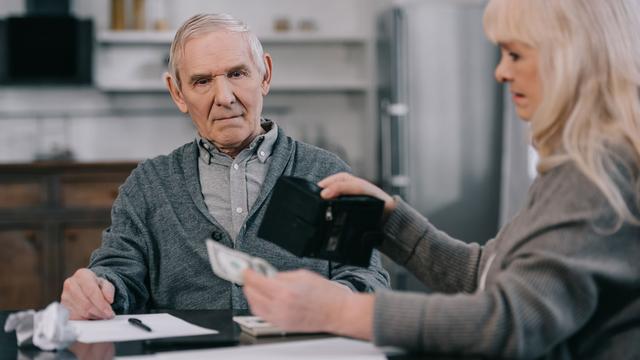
pixel 203 24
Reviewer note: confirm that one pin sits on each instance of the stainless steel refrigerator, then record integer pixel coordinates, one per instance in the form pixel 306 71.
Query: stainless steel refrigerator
pixel 440 117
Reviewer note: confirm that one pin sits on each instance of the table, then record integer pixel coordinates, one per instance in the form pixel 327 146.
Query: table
pixel 220 320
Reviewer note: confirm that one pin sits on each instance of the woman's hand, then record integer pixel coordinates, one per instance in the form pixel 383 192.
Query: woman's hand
pixel 306 302
pixel 347 184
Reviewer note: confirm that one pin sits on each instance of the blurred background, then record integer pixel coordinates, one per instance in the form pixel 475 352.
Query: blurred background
pixel 401 90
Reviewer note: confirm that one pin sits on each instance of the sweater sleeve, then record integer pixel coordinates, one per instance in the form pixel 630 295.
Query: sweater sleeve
pixel 121 257
pixel 545 285
pixel 537 301
pixel 444 264
pixel 362 279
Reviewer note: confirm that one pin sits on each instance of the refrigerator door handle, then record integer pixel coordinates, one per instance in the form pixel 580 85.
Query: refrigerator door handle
pixel 400 181
pixel 385 143
pixel 398 109
pixel 398 112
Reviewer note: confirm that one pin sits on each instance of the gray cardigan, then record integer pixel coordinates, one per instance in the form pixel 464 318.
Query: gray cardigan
pixel 550 284
pixel 154 251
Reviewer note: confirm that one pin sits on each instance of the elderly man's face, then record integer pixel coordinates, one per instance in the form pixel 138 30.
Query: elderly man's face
pixel 222 89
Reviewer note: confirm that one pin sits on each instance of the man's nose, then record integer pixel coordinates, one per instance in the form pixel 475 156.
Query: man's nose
pixel 223 92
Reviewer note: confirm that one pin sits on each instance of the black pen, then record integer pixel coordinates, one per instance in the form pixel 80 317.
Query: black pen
pixel 139 323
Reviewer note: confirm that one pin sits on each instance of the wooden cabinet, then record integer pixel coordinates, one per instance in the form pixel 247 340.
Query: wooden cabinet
pixel 89 190
pixel 22 275
pixel 20 195
pixel 77 245
pixel 51 219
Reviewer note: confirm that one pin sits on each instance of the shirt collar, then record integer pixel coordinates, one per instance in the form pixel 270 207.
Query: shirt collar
pixel 261 146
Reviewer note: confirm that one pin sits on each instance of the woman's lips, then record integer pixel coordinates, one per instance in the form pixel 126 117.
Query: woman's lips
pixel 518 97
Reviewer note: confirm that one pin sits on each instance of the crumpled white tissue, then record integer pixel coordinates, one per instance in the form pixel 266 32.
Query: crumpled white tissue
pixel 22 323
pixel 48 329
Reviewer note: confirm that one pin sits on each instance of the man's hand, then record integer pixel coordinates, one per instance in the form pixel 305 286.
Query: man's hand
pixel 88 297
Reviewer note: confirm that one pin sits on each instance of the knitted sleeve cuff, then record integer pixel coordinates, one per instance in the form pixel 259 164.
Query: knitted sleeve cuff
pixel 397 319
pixel 402 231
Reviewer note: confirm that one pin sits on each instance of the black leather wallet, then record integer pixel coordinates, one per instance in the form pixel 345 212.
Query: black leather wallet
pixel 344 229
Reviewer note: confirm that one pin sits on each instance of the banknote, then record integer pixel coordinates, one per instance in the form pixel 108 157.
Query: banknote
pixel 255 326
pixel 229 264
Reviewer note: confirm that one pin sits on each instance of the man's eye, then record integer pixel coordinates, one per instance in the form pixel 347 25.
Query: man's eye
pixel 201 82
pixel 236 74
pixel 514 56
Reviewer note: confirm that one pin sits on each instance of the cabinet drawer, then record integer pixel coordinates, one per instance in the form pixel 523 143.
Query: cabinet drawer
pixel 78 244
pixel 21 195
pixel 90 190
pixel 22 269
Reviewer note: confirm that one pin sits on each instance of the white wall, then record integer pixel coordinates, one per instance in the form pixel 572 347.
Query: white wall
pixel 37 122
pixel 101 127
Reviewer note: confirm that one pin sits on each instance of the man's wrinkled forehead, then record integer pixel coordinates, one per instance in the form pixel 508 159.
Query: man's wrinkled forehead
pixel 237 47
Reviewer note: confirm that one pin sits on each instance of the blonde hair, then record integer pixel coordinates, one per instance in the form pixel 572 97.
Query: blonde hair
pixel 589 67
pixel 203 24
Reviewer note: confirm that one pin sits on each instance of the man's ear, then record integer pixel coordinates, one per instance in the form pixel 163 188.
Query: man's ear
pixel 266 79
pixel 176 94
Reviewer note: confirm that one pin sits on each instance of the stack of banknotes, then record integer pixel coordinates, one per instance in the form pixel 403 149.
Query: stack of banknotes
pixel 255 326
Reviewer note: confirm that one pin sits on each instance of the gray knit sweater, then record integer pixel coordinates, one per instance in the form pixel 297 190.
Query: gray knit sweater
pixel 550 284
pixel 154 251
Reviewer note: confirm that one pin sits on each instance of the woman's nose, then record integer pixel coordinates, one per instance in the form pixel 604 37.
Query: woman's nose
pixel 503 70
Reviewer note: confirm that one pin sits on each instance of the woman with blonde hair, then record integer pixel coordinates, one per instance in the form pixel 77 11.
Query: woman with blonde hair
pixel 562 278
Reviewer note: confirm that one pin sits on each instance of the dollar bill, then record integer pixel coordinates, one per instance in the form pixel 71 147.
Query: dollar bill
pixel 229 264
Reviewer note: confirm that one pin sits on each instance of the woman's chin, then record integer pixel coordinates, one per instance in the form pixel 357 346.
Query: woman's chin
pixel 524 115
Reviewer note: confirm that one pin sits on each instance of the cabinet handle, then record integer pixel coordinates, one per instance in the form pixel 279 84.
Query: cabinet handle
pixel 30 236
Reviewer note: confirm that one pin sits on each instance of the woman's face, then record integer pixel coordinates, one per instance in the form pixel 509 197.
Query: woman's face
pixel 519 67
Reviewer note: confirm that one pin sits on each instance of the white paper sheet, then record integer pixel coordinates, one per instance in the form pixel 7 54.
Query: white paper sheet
pixel 331 348
pixel 119 329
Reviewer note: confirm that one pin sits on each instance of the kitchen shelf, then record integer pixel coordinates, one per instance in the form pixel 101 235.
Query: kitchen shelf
pixel 314 85
pixel 135 37
pixel 165 38
pixel 354 86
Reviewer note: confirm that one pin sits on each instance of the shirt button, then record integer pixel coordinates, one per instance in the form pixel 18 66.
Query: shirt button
pixel 262 153
pixel 235 166
pixel 239 210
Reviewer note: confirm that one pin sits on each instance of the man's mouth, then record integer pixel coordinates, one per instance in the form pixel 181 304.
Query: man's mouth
pixel 226 118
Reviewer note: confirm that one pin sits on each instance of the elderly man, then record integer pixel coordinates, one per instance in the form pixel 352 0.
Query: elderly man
pixel 154 254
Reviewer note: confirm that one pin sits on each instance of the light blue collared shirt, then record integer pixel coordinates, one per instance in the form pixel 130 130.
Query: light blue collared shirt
pixel 231 186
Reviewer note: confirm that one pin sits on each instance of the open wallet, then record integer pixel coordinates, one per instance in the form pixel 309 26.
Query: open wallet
pixel 345 229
